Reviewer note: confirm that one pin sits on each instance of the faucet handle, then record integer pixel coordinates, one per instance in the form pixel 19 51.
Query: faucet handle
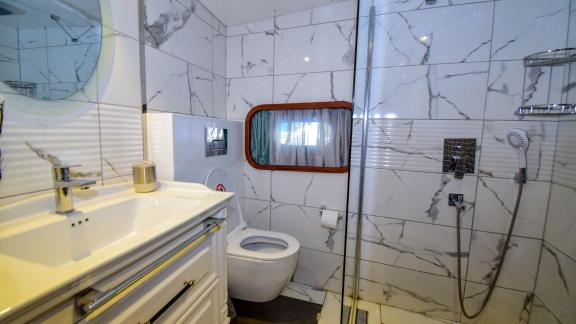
pixel 61 172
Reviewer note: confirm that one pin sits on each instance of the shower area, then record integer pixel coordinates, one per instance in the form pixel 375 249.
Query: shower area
pixel 441 151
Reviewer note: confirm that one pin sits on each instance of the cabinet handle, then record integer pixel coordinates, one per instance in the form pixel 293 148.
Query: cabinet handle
pixel 187 285
pixel 190 283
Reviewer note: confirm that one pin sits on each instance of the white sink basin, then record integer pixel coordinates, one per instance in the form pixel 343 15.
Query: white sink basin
pixel 89 230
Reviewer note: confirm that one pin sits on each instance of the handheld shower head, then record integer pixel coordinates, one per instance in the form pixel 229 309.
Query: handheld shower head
pixel 518 139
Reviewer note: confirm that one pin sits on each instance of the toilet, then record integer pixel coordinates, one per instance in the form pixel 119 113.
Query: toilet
pixel 260 262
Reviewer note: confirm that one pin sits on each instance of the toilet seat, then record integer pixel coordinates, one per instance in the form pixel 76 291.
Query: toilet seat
pixel 241 237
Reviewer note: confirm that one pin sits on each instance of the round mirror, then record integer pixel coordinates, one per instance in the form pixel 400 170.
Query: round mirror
pixel 49 48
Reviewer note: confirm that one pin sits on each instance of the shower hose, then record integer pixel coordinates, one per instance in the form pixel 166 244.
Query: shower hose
pixel 501 258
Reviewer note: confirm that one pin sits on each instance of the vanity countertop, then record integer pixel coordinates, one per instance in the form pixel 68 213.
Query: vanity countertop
pixel 48 256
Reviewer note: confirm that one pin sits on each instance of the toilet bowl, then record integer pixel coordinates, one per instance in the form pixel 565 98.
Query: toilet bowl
pixel 260 262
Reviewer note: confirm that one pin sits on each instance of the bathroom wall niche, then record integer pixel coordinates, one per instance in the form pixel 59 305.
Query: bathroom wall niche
pixel 311 137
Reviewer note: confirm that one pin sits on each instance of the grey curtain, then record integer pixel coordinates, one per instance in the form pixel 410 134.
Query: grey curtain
pixel 260 138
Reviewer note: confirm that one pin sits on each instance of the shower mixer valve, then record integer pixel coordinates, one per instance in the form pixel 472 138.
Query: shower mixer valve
pixel 456 200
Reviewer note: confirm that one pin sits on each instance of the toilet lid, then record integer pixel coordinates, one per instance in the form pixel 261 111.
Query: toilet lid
pixel 218 179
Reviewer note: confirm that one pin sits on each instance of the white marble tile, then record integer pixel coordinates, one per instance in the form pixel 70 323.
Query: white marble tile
pixel 256 183
pixel 250 28
pixel 520 267
pixel 419 292
pixel 309 87
pixel 565 159
pixel 243 94
pixel 31 37
pixel 199 10
pixel 319 270
pixel 505 306
pixel 561 222
pixel 250 55
pixel 304 224
pixel 173 28
pixel 257 213
pixel 311 189
pixel 415 145
pixel 316 48
pixel 55 36
pixel 499 159
pixel 523 27
pixel 200 82
pixel 541 314
pixel 447 91
pixel 219 52
pixel 305 293
pixel 121 129
pixel 428 36
pixel 388 6
pixel 72 63
pixel 121 85
pixel 33 67
pixel 30 145
pixel 167 84
pixel 417 246
pixel 495 201
pixel 9 36
pixel 295 19
pixel 219 96
pixel 416 196
pixel 9 63
pixel 393 315
pixel 342 10
pixel 125 17
pixel 557 283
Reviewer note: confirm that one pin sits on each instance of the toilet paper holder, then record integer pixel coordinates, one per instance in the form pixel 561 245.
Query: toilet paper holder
pixel 323 208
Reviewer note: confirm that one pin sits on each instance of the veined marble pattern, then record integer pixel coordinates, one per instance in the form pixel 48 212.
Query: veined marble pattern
pixel 505 306
pixel 310 87
pixel 319 269
pixel 219 51
pixel 541 314
pixel 416 246
pixel 257 213
pixel 415 145
pixel 337 11
pixel 415 196
pixel 520 267
pixel 495 201
pixel 33 65
pixel 252 27
pixel 257 183
pixel 393 315
pixel 557 283
pixel 561 222
pixel 250 55
pixel 428 36
pixel 10 37
pixel 72 63
pixel 304 224
pixel 565 159
pixel 500 160
pixel 219 96
pixel 315 48
pixel 200 83
pixel 243 94
pixel 305 293
pixel 320 190
pixel 388 6
pixel 430 91
pixel 523 27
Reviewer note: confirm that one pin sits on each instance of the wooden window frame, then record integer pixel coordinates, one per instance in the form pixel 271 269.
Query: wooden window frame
pixel 291 106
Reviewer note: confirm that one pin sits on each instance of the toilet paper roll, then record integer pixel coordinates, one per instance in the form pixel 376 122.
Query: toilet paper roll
pixel 329 219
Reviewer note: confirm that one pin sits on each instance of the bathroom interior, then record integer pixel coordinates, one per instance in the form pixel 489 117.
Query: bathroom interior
pixel 304 161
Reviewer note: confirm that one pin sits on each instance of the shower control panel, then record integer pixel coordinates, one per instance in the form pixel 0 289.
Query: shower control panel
pixel 459 156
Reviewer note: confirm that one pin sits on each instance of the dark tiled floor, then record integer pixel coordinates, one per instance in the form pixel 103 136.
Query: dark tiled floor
pixel 280 310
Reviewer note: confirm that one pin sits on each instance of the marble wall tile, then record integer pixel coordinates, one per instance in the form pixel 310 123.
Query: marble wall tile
pixel 250 55
pixel 125 17
pixel 304 224
pixel 121 137
pixel 219 96
pixel 219 51
pixel 319 270
pixel 257 213
pixel 310 189
pixel 557 283
pixel 245 93
pixel 305 293
pixel 256 183
pixel 251 27
pixel 520 267
pixel 415 196
pixel 415 145
pixel 342 10
pixel 33 66
pixel 69 63
pixel 9 63
pixel 417 246
pixel 505 306
pixel 447 91
pixel 427 36
pixel 31 38
pixel 499 159
pixel 523 27
pixel 388 6
pixel 416 291
pixel 541 314
pixel 167 84
pixel 316 48
pixel 295 19
pixel 561 223
pixel 309 87
pixel 393 315
pixel 495 201
pixel 200 83
pixel 55 36
pixel 9 37
pixel 565 159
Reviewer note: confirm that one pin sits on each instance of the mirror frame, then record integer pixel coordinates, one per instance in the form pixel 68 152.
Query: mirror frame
pixel 291 106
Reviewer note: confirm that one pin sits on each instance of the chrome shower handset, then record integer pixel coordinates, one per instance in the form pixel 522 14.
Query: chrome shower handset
pixel 518 139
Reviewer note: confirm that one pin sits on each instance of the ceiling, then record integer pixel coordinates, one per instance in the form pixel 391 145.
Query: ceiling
pixel 234 12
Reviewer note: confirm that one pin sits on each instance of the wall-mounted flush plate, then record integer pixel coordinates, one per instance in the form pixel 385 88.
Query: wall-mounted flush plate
pixel 216 141
pixel 459 156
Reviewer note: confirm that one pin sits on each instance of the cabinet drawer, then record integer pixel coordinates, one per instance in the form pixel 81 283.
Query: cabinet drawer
pixel 193 271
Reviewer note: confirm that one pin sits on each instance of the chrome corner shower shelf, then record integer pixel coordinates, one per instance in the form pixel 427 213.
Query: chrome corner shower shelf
pixel 552 109
pixel 551 58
